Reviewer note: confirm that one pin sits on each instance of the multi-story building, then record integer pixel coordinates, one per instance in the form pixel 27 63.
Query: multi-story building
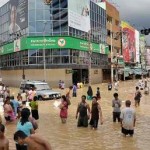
pixel 113 38
pixel 52 42
pixel 147 60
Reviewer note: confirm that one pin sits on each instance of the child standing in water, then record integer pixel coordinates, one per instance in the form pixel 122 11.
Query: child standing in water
pixel 98 95
pixel 34 108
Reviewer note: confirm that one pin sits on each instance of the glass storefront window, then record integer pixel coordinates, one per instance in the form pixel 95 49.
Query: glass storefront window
pixel 56 60
pixel 40 52
pixel 32 60
pixel 56 52
pixel 65 59
pixel 40 60
pixel 32 53
pixel 64 52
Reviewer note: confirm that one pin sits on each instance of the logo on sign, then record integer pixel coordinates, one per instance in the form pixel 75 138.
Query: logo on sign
pixel 61 42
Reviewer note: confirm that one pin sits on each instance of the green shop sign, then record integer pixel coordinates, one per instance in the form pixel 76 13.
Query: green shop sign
pixel 53 43
pixel 6 49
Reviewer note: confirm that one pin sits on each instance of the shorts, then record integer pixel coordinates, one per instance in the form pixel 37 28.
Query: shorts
pixel 126 132
pixel 116 116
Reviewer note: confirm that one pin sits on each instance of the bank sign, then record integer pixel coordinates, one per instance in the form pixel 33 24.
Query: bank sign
pixel 53 43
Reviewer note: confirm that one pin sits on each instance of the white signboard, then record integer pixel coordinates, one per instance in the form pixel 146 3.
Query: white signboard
pixel 17 45
pixel 137 45
pixel 79 14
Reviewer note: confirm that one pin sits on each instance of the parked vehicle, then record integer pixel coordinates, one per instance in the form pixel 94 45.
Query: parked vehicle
pixel 43 91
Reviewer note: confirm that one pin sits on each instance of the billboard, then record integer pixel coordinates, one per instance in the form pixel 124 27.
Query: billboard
pixel 148 57
pixel 137 45
pixel 128 42
pixel 142 48
pixel 18 15
pixel 79 14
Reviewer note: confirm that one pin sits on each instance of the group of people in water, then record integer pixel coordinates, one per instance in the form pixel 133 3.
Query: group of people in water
pixel 86 115
pixel 26 116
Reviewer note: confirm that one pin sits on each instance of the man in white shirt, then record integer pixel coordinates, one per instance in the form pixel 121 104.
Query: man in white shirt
pixel 128 119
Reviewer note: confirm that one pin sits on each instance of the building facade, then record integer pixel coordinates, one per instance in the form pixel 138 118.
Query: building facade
pixel 113 40
pixel 41 42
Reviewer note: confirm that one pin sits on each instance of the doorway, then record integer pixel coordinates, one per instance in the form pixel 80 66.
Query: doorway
pixel 80 75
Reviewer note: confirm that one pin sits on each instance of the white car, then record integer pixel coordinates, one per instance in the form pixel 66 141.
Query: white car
pixel 43 91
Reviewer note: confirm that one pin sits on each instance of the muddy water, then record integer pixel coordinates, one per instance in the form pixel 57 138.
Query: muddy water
pixel 107 137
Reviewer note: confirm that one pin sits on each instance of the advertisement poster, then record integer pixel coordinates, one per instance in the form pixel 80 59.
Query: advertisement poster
pixel 17 46
pixel 18 15
pixel 137 45
pixel 142 48
pixel 128 42
pixel 79 14
pixel 148 57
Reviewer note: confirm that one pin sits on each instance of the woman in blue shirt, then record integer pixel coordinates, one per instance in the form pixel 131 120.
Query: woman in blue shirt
pixel 25 126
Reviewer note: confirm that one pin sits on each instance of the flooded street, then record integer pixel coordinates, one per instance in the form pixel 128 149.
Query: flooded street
pixel 107 137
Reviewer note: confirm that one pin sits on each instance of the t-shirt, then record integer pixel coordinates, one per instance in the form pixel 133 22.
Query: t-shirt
pixel 128 115
pixel 30 95
pixel 7 110
pixel 15 105
pixel 26 128
pixel 33 105
pixel 24 96
pixel 116 104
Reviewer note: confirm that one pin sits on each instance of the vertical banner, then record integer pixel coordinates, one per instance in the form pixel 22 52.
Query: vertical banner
pixel 18 15
pixel 148 57
pixel 137 45
pixel 79 14
pixel 128 42
pixel 142 48
pixel 17 46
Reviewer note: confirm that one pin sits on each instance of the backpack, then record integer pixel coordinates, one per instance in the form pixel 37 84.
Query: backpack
pixel 138 96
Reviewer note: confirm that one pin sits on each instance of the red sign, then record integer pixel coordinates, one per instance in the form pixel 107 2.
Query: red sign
pixel 128 43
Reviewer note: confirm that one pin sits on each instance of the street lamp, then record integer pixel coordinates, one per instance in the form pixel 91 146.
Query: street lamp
pixel 111 53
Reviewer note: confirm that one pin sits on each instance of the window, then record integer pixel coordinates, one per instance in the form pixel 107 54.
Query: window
pixel 108 33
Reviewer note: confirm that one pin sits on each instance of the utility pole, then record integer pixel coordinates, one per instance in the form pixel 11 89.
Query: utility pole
pixel 90 56
pixel 44 60
pixel 112 71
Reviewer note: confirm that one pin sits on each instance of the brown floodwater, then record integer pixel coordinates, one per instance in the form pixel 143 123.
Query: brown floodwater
pixel 107 137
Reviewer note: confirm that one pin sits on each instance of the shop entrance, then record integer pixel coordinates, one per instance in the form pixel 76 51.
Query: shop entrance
pixel 80 75
pixel 106 75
